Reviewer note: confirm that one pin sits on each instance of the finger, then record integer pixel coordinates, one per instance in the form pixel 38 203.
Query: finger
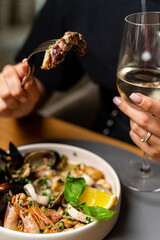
pixel 146 103
pixel 4 111
pixel 32 90
pixel 14 83
pixel 141 133
pixel 22 68
pixel 151 150
pixel 143 119
pixel 7 97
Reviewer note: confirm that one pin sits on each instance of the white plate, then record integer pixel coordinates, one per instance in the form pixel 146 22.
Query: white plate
pixel 93 231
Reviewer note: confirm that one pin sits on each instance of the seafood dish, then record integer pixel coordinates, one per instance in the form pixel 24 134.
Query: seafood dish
pixel 56 53
pixel 43 191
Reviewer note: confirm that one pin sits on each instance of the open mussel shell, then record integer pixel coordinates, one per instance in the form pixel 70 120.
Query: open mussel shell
pixel 7 190
pixel 7 197
pixel 17 159
pixel 4 156
pixel 13 163
pixel 20 173
pixel 2 176
pixel 14 187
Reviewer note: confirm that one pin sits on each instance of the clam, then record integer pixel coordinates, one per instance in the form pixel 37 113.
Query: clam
pixel 42 186
pixel 40 160
pixel 56 197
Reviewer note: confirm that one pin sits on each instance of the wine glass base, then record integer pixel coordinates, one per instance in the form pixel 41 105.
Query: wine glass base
pixel 133 178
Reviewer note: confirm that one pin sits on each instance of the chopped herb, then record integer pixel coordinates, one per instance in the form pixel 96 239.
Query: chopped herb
pixel 89 219
pixel 44 194
pixel 60 229
pixel 20 222
pixel 59 180
pixel 64 41
pixel 71 219
pixel 22 179
pixel 28 180
pixel 42 182
pixel 41 230
pixel 30 203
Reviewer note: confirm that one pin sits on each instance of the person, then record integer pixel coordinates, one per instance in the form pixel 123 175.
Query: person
pixel 101 24
pixel 146 121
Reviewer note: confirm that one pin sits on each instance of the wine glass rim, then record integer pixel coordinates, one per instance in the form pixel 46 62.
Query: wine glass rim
pixel 142 24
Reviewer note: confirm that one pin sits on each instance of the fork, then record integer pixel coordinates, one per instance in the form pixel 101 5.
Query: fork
pixel 41 48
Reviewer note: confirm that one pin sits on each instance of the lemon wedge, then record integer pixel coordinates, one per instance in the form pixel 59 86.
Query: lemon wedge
pixel 96 197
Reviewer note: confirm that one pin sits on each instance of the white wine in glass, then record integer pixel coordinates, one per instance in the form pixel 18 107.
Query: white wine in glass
pixel 139 72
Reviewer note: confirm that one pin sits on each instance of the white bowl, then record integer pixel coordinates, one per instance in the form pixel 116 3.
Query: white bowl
pixel 96 230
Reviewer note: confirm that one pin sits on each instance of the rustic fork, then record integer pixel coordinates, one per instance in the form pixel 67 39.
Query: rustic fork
pixel 41 48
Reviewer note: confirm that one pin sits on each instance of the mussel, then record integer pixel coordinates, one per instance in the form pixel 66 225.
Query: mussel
pixel 14 158
pixel 7 197
pixel 7 190
pixel 14 162
pixel 14 187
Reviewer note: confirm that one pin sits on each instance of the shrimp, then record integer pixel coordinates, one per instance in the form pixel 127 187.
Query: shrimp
pixel 30 225
pixel 54 215
pixel 43 219
pixel 11 217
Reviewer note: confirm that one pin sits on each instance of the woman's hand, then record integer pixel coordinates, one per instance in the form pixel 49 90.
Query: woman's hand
pixel 17 101
pixel 142 122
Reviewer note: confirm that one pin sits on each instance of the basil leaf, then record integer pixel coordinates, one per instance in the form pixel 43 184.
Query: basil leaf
pixel 99 212
pixel 85 208
pixel 74 187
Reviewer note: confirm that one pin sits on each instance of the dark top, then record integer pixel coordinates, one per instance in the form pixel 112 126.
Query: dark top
pixel 101 23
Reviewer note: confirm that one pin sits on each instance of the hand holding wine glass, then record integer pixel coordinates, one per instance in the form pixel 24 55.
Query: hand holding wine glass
pixel 139 72
pixel 143 122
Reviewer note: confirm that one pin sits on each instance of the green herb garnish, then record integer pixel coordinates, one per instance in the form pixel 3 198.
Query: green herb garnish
pixel 74 187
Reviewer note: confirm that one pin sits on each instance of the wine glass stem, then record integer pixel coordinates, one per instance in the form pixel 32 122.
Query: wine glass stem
pixel 145 166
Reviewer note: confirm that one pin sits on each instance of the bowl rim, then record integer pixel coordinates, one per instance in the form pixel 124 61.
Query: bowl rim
pixel 71 147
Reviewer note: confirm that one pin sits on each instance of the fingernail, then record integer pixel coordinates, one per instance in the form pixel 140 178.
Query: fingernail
pixel 23 99
pixel 136 98
pixel 24 60
pixel 117 101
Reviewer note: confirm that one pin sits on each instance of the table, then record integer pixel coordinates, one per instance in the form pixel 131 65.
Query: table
pixel 35 128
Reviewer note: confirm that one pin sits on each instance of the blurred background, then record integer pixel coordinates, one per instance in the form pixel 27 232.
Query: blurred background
pixel 77 105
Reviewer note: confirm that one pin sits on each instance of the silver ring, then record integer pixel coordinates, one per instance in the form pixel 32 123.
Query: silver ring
pixel 146 137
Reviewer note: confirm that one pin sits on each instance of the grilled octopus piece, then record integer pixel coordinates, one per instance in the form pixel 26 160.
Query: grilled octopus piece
pixel 56 53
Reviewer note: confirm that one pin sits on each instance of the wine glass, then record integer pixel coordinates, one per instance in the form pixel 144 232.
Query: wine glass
pixel 139 72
